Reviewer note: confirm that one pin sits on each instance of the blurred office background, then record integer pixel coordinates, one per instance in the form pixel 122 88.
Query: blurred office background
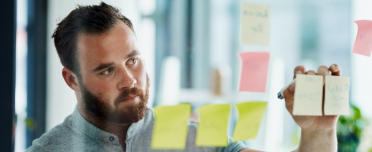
pixel 190 48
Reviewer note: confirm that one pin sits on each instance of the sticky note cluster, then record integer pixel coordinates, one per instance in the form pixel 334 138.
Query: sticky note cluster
pixel 309 94
pixel 255 29
pixel 255 66
pixel 363 40
pixel 170 126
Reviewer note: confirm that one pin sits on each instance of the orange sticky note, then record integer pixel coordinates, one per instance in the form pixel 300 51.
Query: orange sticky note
pixel 363 41
pixel 254 70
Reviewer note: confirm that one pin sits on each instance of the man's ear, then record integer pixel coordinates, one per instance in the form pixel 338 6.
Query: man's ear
pixel 70 79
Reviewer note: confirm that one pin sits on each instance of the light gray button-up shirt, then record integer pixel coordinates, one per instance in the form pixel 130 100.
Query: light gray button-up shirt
pixel 77 134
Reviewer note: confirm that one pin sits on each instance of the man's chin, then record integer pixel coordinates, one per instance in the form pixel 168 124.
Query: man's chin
pixel 132 119
pixel 131 113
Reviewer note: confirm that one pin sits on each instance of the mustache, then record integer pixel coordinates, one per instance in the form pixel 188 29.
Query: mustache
pixel 125 94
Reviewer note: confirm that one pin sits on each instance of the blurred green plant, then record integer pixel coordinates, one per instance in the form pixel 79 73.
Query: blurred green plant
pixel 30 123
pixel 296 134
pixel 349 130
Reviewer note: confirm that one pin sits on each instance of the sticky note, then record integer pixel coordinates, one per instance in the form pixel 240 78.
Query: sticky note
pixel 308 95
pixel 212 128
pixel 170 127
pixel 336 99
pixel 254 71
pixel 363 41
pixel 248 124
pixel 255 24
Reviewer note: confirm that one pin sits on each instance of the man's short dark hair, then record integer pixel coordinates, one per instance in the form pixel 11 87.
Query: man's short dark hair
pixel 90 19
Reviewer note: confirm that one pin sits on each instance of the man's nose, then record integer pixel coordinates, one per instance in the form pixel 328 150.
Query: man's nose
pixel 127 80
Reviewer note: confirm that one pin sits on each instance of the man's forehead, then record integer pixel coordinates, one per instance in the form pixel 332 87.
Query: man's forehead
pixel 119 39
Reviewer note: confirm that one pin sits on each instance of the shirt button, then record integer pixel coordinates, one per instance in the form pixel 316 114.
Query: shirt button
pixel 111 138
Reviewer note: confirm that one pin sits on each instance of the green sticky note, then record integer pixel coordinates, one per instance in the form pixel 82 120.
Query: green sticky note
pixel 212 128
pixel 170 127
pixel 248 124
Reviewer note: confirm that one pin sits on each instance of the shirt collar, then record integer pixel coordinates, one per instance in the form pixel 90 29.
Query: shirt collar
pixel 92 131
pixel 140 126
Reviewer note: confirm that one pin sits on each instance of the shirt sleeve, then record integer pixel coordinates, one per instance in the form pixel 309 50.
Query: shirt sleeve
pixel 233 147
pixel 34 148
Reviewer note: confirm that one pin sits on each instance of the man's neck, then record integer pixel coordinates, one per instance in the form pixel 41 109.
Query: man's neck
pixel 118 129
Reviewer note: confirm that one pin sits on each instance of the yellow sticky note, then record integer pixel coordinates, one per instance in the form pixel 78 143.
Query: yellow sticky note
pixel 336 99
pixel 212 128
pixel 248 124
pixel 170 127
pixel 255 24
pixel 308 95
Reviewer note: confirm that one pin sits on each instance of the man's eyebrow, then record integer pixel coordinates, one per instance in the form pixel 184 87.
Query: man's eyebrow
pixel 103 66
pixel 133 53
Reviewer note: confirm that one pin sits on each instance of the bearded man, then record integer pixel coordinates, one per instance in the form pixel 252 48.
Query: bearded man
pixel 103 66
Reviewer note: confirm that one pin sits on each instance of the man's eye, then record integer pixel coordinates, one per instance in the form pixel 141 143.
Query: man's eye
pixel 107 71
pixel 132 61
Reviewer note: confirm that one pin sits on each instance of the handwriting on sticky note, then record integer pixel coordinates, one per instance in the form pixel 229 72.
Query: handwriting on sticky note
pixel 248 124
pixel 336 95
pixel 255 24
pixel 363 40
pixel 308 95
pixel 212 128
pixel 254 71
pixel 367 39
pixel 170 127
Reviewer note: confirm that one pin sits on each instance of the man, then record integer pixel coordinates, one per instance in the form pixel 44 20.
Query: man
pixel 102 64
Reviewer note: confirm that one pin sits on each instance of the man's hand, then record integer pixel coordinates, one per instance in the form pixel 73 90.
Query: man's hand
pixel 318 133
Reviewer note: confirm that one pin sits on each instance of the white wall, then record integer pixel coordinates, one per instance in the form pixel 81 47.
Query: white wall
pixel 61 99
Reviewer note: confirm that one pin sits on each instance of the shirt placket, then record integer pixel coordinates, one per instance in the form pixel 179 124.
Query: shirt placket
pixel 114 141
pixel 129 136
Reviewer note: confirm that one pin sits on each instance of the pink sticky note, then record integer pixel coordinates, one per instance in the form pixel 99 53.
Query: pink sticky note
pixel 363 41
pixel 255 66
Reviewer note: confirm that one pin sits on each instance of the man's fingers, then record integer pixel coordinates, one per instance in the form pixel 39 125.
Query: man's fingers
pixel 311 72
pixel 323 70
pixel 298 70
pixel 288 94
pixel 335 70
pixel 289 91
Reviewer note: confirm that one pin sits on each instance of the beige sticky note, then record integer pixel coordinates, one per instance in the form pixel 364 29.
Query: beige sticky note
pixel 336 99
pixel 308 95
pixel 248 124
pixel 255 24
pixel 170 127
pixel 212 128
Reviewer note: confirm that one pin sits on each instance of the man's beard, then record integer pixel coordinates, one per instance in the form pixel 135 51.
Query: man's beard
pixel 99 107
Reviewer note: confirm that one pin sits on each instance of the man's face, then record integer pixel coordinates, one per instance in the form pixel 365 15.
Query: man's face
pixel 113 83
